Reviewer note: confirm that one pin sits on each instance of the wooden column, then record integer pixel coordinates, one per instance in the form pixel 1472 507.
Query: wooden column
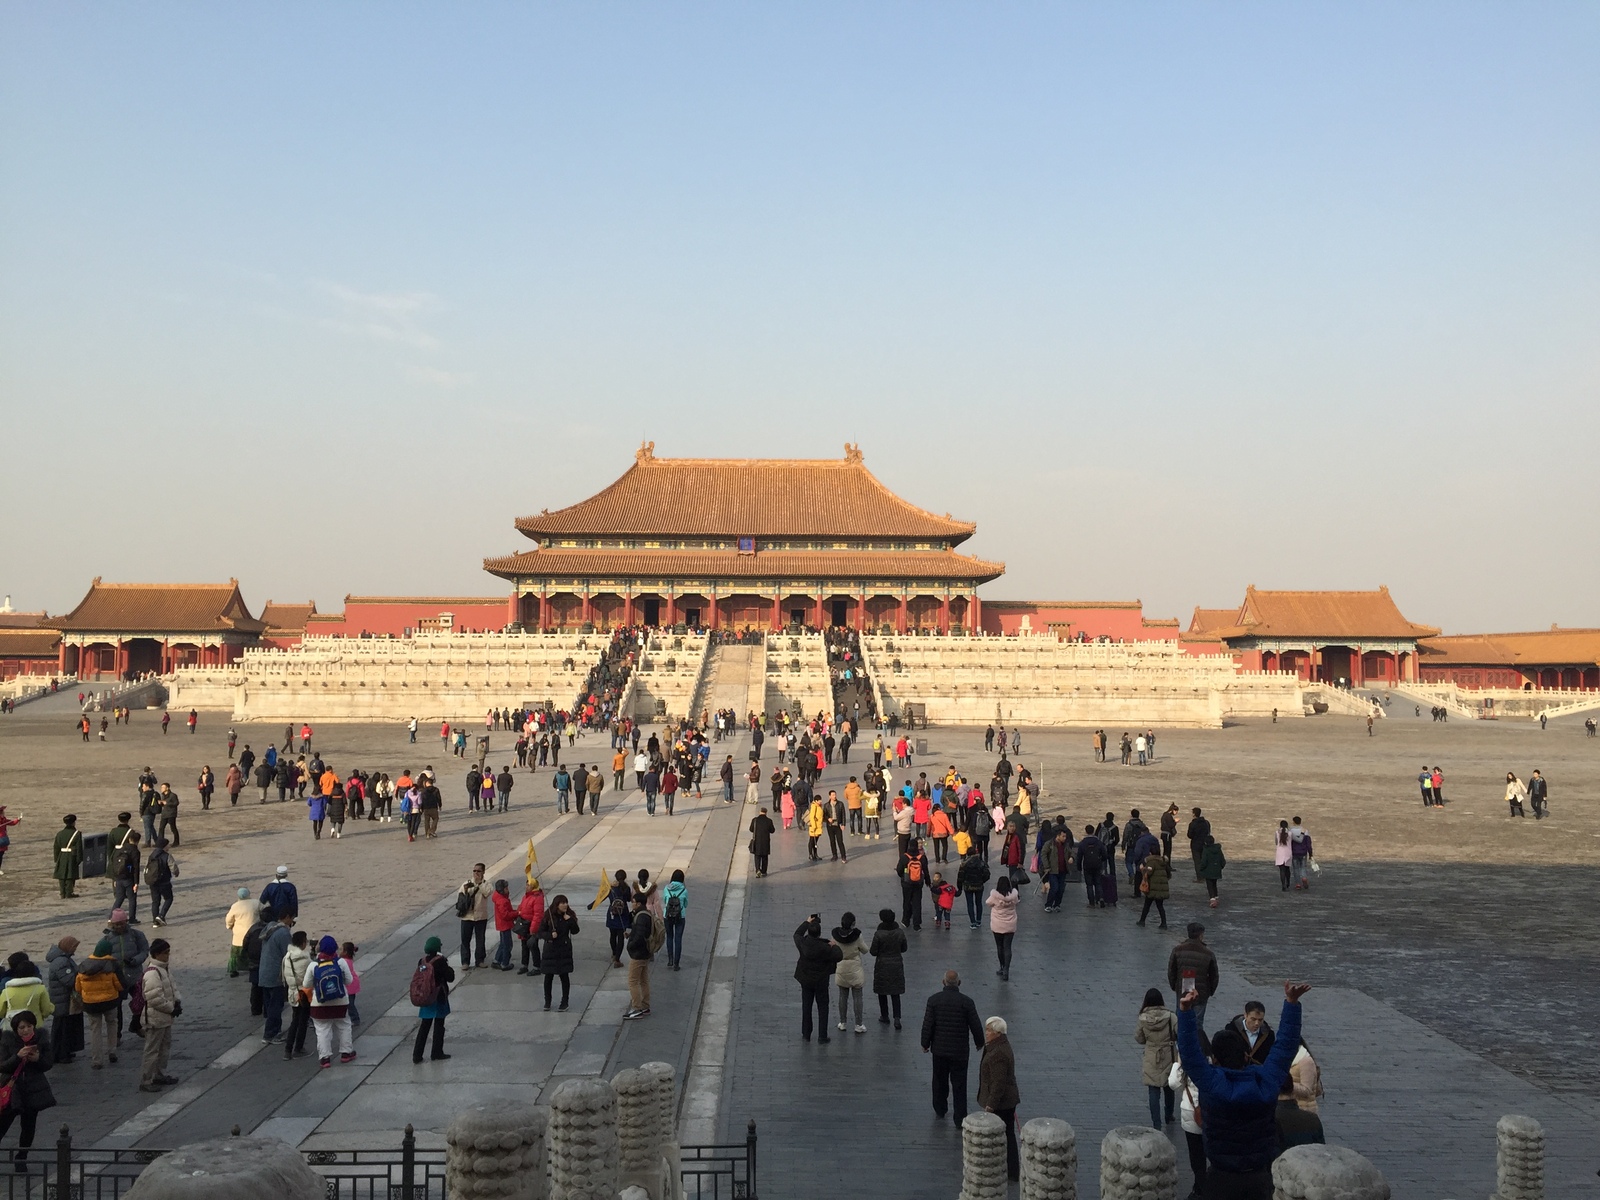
pixel 900 616
pixel 627 605
pixel 975 607
pixel 861 611
pixel 821 620
pixel 777 610
pixel 544 606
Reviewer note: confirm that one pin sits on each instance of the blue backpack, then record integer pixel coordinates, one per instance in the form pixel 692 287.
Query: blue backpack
pixel 327 983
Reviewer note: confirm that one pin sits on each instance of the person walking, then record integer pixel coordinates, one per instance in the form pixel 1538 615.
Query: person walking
pixel 329 981
pixel 1192 967
pixel 914 880
pixel 888 949
pixel 1155 884
pixel 162 1006
pixel 61 973
pixel 1157 1032
pixel 997 1087
pixel 850 974
pixel 1300 856
pixel 67 856
pixel 555 956
pixel 1212 863
pixel 816 964
pixel 429 802
pixel 281 896
pixel 430 992
pixel 168 825
pixel 971 875
pixel 274 946
pixel 1055 860
pixel 100 989
pixel 206 785
pixel 1091 858
pixel 296 961
pixel 24 1059
pixel 126 871
pixel 949 1021
pixel 1199 829
pixel 24 989
pixel 242 914
pixel 640 935
pixel 616 900
pixel 675 912
pixel 1538 795
pixel 761 831
pixel 1282 855
pixel 1002 905
pixel 472 910
pixel 160 869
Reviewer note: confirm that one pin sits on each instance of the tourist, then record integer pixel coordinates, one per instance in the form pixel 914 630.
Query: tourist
pixel 616 900
pixel 888 949
pixel 162 1006
pixel 486 791
pixel 1282 856
pixel 100 990
pixel 871 810
pixel 505 915
pixel 281 896
pixel 1002 904
pixel 674 915
pixel 650 893
pixel 474 787
pixel 813 971
pixel 913 871
pixel 940 828
pixel 752 786
pixel 169 816
pixel 1239 1102
pixel 429 802
pixel 1538 795
pixel 997 1087
pixel 274 946
pixel 944 899
pixel 1157 1032
pixel 555 959
pixel 1155 884
pixel 24 989
pixel 296 961
pixel 904 819
pixel 234 783
pixel 1438 788
pixel 1188 1120
pixel 338 805
pixel 1212 862
pixel 1055 860
pixel 1296 1127
pixel 816 819
pixel 971 875
pixel 126 871
pixel 669 788
pixel 833 816
pixel 328 981
pixel 160 869
pixel 530 917
pixel 68 856
pixel 1425 782
pixel 1307 1078
pixel 472 910
pixel 1091 858
pixel 640 930
pixel 206 786
pixel 761 831
pixel 1301 856
pixel 66 1027
pixel 1199 829
pixel 430 992
pixel 849 975
pixel 1252 1026
pixel 1192 967
pixel 948 1022
pixel 5 835
pixel 24 1059
pixel 562 783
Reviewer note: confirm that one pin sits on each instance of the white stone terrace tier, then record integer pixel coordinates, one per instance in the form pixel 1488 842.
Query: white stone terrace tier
pixel 797 673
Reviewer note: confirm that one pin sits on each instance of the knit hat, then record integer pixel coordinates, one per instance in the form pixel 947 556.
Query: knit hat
pixel 432 946
pixel 102 948
pixel 118 914
pixel 244 893
pixel 327 945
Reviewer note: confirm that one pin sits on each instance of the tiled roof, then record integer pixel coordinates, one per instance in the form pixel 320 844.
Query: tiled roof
pixel 726 564
pixel 28 643
pixel 1321 615
pixel 286 617
pixel 1205 620
pixel 1063 605
pixel 160 608
pixel 746 497
pixel 1552 647
pixel 22 620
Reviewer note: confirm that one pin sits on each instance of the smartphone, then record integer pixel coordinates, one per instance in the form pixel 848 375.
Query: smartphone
pixel 1190 983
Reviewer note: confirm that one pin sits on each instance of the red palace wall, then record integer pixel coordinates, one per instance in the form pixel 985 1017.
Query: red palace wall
pixel 1119 620
pixel 395 616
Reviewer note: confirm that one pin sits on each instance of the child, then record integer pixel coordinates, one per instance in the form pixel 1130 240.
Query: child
pixel 348 952
pixel 944 898
pixel 869 806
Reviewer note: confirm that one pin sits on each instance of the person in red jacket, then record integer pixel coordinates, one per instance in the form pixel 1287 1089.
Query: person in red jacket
pixel 530 915
pixel 504 914
pixel 669 788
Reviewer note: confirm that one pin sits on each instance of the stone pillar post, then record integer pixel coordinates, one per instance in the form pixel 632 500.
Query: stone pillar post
pixel 1519 1164
pixel 1304 1172
pixel 583 1141
pixel 496 1150
pixel 230 1168
pixel 983 1157
pixel 1137 1163
pixel 1049 1160
pixel 646 1103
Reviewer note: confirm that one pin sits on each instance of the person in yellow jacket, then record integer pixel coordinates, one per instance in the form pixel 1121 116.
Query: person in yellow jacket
pixel 852 800
pixel 814 824
pixel 24 991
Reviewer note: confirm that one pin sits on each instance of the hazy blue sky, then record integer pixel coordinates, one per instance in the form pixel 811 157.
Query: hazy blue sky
pixel 1168 298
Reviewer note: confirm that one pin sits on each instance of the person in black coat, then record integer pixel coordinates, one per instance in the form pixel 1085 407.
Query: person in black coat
pixel 556 931
pixel 949 1023
pixel 24 1058
pixel 761 831
pixel 813 972
pixel 888 949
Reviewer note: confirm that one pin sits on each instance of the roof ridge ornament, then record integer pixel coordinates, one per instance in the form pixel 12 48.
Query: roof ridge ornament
pixel 645 453
pixel 852 452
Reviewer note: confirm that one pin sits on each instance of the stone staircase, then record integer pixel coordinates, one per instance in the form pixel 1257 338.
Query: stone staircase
pixel 797 673
pixel 736 678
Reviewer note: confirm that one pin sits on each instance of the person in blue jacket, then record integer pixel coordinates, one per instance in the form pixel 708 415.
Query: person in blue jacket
pixel 1240 1102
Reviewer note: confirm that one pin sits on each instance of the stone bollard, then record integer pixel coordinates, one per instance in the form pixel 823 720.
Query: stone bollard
pixel 1137 1163
pixel 1049 1160
pixel 583 1141
pixel 231 1168
pixel 496 1150
pixel 983 1157
pixel 1326 1173
pixel 1519 1164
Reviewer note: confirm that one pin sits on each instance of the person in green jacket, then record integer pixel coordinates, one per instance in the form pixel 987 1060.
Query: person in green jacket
pixel 1155 881
pixel 68 852
pixel 1211 864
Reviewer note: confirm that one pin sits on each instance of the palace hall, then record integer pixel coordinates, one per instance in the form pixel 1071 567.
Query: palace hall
pixel 746 544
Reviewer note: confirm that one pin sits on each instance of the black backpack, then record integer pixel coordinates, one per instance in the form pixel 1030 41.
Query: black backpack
pixel 1093 855
pixel 252 944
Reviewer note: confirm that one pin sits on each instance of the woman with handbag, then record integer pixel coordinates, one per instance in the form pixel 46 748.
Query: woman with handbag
pixel 1155 884
pixel 24 1092
pixel 560 923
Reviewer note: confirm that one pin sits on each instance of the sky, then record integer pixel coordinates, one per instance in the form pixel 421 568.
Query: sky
pixel 1169 299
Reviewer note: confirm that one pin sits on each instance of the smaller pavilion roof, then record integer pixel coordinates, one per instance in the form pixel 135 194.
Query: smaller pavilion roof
pixel 1552 647
pixel 28 643
pixel 286 618
pixel 160 609
pixel 1208 620
pixel 1322 615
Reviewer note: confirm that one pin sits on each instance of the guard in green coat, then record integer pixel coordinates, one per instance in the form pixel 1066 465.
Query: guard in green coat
pixel 68 852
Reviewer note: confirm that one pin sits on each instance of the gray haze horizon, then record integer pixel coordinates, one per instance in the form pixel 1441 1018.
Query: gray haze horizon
pixel 1167 301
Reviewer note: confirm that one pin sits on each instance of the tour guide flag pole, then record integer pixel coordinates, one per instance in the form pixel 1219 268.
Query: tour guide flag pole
pixel 533 861
pixel 605 889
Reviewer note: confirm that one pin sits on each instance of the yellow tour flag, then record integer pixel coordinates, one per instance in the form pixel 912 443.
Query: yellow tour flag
pixel 528 869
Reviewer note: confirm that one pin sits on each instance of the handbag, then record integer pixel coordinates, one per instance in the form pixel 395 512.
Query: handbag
pixel 8 1089
pixel 1020 877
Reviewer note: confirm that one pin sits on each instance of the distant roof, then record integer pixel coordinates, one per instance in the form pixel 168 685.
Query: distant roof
pixel 1321 615
pixel 160 608
pixel 428 600
pixel 28 643
pixel 1064 604
pixel 286 618
pixel 1205 620
pixel 746 497
pixel 727 564
pixel 1551 647
pixel 22 620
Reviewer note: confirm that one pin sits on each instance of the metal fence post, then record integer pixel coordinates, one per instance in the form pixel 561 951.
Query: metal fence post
pixel 408 1164
pixel 64 1163
pixel 750 1161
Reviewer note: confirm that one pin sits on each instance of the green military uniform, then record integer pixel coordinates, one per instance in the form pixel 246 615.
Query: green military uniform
pixel 68 852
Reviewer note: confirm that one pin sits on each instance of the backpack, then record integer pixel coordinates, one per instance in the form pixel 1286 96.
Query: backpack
pixel 156 869
pixel 1093 854
pixel 658 934
pixel 424 985
pixel 327 983
pixel 619 911
pixel 252 944
pixel 674 908
pixel 914 869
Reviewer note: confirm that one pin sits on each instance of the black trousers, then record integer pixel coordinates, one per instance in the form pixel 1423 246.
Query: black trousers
pixel 472 932
pixel 1238 1185
pixel 883 1006
pixel 619 938
pixel 1161 907
pixel 566 987
pixel 814 993
pixel 761 863
pixel 1197 1160
pixel 911 894
pixel 950 1078
pixel 436 1024
pixel 30 1124
pixel 1013 1152
pixel 836 842
pixel 299 1023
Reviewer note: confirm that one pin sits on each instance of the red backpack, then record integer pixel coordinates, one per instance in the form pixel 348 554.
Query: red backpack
pixel 424 985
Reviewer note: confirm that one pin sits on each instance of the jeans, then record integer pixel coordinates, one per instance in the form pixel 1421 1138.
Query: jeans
pixel 950 1079
pixel 814 994
pixel 272 1001
pixel 562 795
pixel 502 951
pixel 855 821
pixel 1058 884
pixel 727 793
pixel 1302 870
pixel 974 908
pixel 473 932
pixel 1091 885
pixel 161 900
pixel 650 803
pixel 125 897
pixel 1156 1093
pixel 1002 949
pixel 674 945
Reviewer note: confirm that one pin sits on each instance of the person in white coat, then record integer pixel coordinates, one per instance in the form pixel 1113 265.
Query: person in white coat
pixel 849 975
pixel 1188 1097
pixel 328 980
